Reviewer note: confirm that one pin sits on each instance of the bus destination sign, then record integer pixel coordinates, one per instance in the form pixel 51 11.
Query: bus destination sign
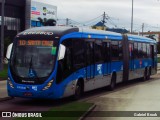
pixel 35 43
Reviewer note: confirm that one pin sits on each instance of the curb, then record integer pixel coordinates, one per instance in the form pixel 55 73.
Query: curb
pixel 5 98
pixel 3 79
pixel 87 112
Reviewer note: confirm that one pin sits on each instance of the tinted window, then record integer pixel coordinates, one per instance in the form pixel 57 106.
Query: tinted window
pixel 120 51
pixel 114 50
pixel 135 50
pixel 89 52
pixel 98 51
pixel 139 50
pixel 78 53
pixel 144 50
pixel 107 51
pixel 148 50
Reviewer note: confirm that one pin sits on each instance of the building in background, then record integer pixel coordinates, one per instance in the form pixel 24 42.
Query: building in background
pixel 153 35
pixel 23 14
pixel 39 13
pixel 99 26
pixel 14 13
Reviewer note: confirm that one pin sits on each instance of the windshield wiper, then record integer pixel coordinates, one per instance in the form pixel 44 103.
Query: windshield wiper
pixel 32 73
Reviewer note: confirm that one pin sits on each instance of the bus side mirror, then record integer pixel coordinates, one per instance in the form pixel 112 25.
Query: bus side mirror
pixel 61 53
pixel 8 54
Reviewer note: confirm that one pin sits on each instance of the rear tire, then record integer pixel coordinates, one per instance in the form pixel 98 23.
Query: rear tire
pixel 113 83
pixel 145 75
pixel 149 74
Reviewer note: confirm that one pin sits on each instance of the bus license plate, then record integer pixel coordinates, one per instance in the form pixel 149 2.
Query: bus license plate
pixel 27 94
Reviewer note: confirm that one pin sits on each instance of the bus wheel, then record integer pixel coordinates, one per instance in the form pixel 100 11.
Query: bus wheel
pixel 78 91
pixel 145 75
pixel 113 82
pixel 149 74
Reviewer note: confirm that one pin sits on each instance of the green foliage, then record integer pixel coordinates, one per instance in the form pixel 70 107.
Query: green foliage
pixel 3 73
pixel 75 109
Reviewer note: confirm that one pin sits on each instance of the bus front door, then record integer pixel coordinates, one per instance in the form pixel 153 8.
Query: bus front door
pixel 90 60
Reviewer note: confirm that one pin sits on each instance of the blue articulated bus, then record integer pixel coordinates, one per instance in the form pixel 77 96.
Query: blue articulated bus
pixel 56 62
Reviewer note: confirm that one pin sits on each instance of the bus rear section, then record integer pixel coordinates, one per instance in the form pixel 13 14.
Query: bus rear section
pixel 142 57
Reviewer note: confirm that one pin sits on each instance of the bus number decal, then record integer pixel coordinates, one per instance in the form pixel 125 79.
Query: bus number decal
pixel 99 68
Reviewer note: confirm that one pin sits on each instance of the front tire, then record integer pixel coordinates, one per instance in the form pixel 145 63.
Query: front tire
pixel 78 91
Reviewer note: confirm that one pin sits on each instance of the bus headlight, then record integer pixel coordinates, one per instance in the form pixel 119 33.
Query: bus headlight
pixel 48 85
pixel 10 83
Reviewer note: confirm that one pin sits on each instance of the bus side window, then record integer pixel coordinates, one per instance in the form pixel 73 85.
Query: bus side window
pixel 98 51
pixel 120 51
pixel 139 50
pixel 115 51
pixel 135 50
pixel 148 51
pixel 144 50
pixel 78 54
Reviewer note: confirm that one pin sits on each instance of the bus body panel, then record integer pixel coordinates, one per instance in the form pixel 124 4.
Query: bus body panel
pixel 95 75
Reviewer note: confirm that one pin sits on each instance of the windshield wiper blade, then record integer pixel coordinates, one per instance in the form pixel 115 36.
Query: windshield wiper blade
pixel 32 73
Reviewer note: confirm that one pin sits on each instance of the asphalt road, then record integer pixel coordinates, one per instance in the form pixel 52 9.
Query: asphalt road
pixel 3 90
pixel 136 96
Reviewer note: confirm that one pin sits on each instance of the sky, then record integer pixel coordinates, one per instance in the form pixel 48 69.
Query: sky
pixel 118 12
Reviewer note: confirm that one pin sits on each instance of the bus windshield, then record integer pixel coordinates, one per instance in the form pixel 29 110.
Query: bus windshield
pixel 33 58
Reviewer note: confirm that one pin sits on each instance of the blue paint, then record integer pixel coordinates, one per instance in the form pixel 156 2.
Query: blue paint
pixel 57 90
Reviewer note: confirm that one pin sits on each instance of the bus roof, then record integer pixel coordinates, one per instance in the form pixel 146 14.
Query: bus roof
pixel 63 30
pixel 140 38
pixel 102 32
pixel 105 34
pixel 57 30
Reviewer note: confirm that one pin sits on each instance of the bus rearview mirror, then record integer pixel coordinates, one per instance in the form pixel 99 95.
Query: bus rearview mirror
pixel 8 53
pixel 61 52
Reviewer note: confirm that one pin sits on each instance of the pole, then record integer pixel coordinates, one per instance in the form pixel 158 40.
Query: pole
pixel 2 36
pixel 132 19
pixel 103 21
pixel 142 28
pixel 67 22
